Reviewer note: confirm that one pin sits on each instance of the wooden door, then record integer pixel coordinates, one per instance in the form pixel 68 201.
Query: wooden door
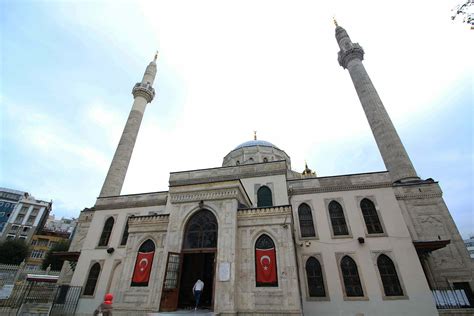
pixel 170 292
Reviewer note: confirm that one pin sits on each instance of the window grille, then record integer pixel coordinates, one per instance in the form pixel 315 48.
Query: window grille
pixel 370 217
pixel 106 232
pixel 264 197
pixel 350 274
pixel 388 274
pixel 92 279
pixel 306 221
pixel 338 222
pixel 314 275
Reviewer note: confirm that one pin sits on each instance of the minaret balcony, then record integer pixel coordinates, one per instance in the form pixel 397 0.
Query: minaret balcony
pixel 144 90
pixel 354 51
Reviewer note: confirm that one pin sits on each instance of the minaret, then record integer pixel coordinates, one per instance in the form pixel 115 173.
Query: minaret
pixel 390 146
pixel 143 94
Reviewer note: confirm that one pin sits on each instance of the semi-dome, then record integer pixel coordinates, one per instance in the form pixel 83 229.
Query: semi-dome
pixel 255 151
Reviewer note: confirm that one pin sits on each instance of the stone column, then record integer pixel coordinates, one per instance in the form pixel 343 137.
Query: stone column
pixel 143 93
pixel 390 146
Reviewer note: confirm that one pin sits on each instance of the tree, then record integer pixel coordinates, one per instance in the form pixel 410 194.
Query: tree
pixel 50 259
pixel 13 251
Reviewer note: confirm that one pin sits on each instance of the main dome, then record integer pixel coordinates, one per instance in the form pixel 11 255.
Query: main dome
pixel 251 143
pixel 255 151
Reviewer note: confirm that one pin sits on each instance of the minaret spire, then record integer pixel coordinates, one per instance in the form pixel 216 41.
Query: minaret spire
pixel 390 146
pixel 143 94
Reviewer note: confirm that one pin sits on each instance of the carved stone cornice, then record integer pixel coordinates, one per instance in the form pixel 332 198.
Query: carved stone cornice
pixel 297 191
pixel 346 55
pixel 156 218
pixel 227 173
pixel 148 223
pixel 131 201
pixel 264 211
pixel 206 195
pixel 144 90
pixel 418 196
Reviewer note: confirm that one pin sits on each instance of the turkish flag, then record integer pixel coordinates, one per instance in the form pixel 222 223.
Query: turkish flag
pixel 141 274
pixel 266 266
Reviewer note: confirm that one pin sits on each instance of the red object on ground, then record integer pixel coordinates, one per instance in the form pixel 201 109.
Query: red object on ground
pixel 108 298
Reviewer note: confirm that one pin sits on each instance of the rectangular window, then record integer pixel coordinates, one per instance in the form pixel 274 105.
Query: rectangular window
pixel 31 220
pixel 19 219
pixel 15 228
pixel 43 242
pixel 23 210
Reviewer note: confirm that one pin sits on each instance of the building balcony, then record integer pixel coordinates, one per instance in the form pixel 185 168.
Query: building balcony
pixel 453 301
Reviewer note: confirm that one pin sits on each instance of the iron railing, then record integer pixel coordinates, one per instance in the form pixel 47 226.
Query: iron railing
pixel 451 299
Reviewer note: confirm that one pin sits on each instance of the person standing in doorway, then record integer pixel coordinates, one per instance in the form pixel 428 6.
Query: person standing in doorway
pixel 197 290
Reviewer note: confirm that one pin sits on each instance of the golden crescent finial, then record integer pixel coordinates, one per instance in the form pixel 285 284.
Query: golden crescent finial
pixel 335 22
pixel 254 135
pixel 156 56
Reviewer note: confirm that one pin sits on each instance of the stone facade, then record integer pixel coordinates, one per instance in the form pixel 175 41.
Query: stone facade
pixel 332 255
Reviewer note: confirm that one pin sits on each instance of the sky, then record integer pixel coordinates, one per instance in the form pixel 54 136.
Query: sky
pixel 226 69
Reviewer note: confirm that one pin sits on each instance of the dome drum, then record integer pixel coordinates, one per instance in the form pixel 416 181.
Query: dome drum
pixel 255 151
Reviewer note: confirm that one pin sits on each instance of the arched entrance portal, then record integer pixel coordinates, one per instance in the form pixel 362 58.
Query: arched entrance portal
pixel 196 261
pixel 199 253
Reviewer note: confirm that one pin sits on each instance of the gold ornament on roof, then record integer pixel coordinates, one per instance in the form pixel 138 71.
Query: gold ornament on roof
pixel 254 135
pixel 156 56
pixel 307 171
pixel 335 22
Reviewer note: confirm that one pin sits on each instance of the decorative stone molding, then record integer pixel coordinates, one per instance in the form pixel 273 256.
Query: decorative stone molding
pixel 264 211
pixel 144 90
pixel 132 200
pixel 227 173
pixel 418 196
pixel 149 218
pixel 222 194
pixel 297 191
pixel 148 223
pixel 354 52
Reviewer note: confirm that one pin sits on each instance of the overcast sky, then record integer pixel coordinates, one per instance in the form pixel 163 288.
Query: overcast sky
pixel 226 69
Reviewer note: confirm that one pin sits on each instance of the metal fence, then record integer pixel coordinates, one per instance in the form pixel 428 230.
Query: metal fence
pixel 65 301
pixel 17 293
pixel 451 299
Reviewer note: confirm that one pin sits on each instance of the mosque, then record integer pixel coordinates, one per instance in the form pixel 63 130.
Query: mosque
pixel 267 240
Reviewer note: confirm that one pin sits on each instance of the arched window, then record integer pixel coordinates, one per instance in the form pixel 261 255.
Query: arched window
pixel 370 217
pixel 125 235
pixel 265 159
pixel 265 262
pixel 388 274
pixel 314 274
pixel 201 231
pixel 141 273
pixel 338 222
pixel 106 232
pixel 92 279
pixel 306 221
pixel 350 275
pixel 264 196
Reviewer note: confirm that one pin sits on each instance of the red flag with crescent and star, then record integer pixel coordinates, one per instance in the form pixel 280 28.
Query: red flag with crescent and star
pixel 266 266
pixel 141 274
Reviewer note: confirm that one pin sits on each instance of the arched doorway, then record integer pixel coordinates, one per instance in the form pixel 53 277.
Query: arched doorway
pixel 198 259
